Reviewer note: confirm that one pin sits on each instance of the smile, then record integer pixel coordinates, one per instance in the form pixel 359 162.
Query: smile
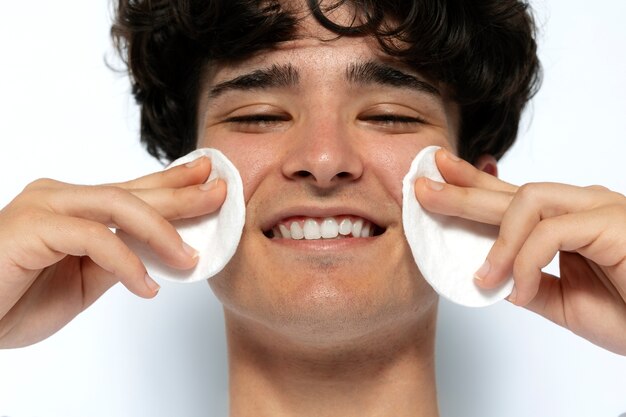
pixel 313 228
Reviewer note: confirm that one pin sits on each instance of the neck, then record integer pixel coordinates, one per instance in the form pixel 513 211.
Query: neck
pixel 390 374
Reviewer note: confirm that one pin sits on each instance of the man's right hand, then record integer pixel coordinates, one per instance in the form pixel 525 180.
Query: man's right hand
pixel 58 254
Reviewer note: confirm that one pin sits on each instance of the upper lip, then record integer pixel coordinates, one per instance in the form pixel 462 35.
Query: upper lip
pixel 321 212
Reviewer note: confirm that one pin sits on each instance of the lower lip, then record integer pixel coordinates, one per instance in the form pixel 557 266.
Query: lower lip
pixel 326 244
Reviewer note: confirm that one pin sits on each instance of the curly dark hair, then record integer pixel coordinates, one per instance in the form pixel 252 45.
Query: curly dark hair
pixel 484 51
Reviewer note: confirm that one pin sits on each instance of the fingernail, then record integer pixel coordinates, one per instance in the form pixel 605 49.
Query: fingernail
pixel 513 296
pixel 209 185
pixel 194 163
pixel 190 251
pixel 154 287
pixel 434 185
pixel 452 156
pixel 482 271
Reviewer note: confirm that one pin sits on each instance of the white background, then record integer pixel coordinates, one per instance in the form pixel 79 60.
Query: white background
pixel 65 115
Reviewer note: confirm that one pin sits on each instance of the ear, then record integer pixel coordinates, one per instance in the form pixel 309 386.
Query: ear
pixel 487 163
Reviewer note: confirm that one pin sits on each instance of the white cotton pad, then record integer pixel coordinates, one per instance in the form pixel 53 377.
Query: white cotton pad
pixel 447 250
pixel 216 235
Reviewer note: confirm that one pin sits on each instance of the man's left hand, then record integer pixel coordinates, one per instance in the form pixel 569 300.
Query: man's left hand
pixel 586 226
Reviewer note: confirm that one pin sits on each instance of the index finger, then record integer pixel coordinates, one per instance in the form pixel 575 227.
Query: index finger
pixel 463 174
pixel 471 203
pixel 191 173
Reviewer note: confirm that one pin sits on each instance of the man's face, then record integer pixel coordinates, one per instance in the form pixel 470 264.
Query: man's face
pixel 323 132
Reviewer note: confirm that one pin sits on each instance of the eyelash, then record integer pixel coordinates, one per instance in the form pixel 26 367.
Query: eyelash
pixel 263 118
pixel 394 119
pixel 257 119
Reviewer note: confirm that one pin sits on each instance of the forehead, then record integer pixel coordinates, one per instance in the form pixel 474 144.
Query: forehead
pixel 313 46
pixel 307 55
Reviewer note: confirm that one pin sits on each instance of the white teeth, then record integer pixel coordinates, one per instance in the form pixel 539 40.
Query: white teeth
pixel 366 230
pixel 329 228
pixel 296 231
pixel 345 227
pixel 356 228
pixel 284 231
pixel 311 230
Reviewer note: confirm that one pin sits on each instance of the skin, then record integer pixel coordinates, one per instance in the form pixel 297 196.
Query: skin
pixel 347 321
pixel 585 226
pixel 333 319
pixel 58 255
pixel 351 323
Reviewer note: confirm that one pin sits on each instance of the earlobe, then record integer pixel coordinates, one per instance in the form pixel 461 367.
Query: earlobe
pixel 487 163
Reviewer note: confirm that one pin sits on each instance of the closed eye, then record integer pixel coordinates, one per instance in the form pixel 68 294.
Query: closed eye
pixel 390 119
pixel 257 123
pixel 394 124
pixel 258 118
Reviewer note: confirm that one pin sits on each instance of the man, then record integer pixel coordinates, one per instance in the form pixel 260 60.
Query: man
pixel 321 127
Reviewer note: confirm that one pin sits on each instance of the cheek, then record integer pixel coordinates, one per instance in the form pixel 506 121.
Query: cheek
pixel 391 161
pixel 252 161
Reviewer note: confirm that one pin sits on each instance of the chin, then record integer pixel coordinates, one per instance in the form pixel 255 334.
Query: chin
pixel 324 306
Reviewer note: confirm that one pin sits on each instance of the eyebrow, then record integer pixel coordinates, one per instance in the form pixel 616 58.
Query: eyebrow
pixel 272 77
pixel 372 72
pixel 286 75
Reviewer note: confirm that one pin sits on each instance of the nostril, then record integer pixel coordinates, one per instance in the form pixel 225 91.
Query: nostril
pixel 307 174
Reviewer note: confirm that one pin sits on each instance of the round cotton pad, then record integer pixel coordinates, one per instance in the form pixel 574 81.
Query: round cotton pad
pixel 448 250
pixel 216 235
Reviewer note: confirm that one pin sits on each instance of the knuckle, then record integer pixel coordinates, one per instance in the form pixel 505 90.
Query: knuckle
pixel 163 224
pixel 41 183
pixel 544 229
pixel 526 281
pixel 501 243
pixel 520 267
pixel 518 272
pixel 498 255
pixel 528 192
pixel 97 230
pixel 597 187
pixel 610 196
pixel 128 268
pixel 184 202
pixel 129 259
pixel 531 197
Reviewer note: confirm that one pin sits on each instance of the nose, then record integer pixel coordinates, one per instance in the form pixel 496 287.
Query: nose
pixel 323 155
